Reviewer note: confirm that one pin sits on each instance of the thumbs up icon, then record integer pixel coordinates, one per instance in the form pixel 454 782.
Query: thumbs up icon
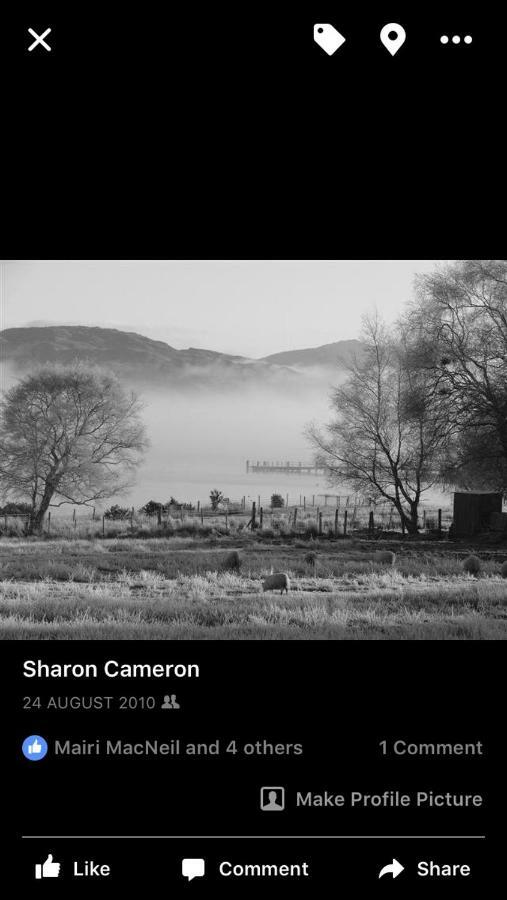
pixel 48 869
pixel 34 747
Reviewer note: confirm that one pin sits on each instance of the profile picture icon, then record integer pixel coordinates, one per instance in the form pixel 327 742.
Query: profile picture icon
pixel 34 748
pixel 272 799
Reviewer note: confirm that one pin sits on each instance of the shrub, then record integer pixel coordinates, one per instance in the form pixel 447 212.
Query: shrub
pixel 472 565
pixel 117 512
pixel 277 501
pixel 151 508
pixel 232 562
pixel 15 509
pixel 216 497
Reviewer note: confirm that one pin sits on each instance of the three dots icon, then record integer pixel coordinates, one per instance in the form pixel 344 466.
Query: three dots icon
pixel 456 39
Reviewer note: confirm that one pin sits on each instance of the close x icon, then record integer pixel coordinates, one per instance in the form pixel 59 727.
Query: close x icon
pixel 38 40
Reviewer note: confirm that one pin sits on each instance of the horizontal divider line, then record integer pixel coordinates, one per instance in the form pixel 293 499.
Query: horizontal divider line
pixel 262 837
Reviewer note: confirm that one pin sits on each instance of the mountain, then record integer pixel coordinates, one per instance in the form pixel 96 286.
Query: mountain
pixel 337 355
pixel 139 360
pixel 136 359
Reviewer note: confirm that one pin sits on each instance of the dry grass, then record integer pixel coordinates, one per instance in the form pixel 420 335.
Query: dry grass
pixel 178 589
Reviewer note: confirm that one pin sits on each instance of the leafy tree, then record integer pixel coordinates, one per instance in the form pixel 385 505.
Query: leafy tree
pixel 277 501
pixel 68 435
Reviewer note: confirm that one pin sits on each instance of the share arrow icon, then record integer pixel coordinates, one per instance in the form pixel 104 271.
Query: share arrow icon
pixel 394 869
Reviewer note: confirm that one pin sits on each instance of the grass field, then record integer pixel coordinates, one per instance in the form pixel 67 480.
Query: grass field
pixel 179 588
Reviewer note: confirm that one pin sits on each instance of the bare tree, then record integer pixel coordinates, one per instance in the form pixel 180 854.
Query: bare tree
pixel 459 325
pixel 68 435
pixel 384 439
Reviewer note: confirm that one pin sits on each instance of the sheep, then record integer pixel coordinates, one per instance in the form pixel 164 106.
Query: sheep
pixel 280 582
pixel 232 561
pixel 472 565
pixel 384 556
pixel 503 570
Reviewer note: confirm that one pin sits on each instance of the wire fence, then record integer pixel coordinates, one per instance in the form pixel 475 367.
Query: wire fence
pixel 323 514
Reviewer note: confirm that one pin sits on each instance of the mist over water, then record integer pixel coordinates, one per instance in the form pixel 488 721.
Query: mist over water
pixel 201 440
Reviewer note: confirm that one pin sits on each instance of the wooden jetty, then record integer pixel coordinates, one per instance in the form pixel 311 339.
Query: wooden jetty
pixel 288 468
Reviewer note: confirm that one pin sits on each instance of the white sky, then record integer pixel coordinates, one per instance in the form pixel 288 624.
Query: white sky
pixel 248 307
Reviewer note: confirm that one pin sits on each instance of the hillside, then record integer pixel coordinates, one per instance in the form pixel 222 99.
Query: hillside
pixel 132 356
pixel 143 361
pixel 338 354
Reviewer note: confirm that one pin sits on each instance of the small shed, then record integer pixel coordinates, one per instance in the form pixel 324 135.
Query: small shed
pixel 473 512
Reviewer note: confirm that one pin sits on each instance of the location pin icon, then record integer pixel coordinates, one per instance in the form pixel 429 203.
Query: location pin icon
pixel 392 37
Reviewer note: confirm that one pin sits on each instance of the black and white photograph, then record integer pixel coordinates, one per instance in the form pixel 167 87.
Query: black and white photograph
pixel 253 449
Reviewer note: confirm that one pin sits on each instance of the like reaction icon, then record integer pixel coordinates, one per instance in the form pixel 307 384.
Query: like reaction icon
pixel 34 747
pixel 48 869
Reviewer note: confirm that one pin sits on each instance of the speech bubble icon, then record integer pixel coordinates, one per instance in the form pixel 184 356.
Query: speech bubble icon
pixel 192 868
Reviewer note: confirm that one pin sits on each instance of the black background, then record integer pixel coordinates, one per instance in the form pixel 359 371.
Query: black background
pixel 338 699
pixel 224 131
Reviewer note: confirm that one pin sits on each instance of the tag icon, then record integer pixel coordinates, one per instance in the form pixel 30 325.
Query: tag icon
pixel 328 38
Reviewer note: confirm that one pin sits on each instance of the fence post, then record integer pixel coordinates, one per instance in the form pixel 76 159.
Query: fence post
pixel 227 521
pixel 304 502
pixel 261 516
pixel 440 523
pixel 93 515
pixel 424 520
pixel 198 505
pixel 336 522
pixel 313 500
pixel 132 519
pixel 286 500
pixel 371 526
pixel 345 517
pixel 202 515
pixel 49 522
pixel 103 526
pixel 295 516
pixel 74 517
pixel 402 525
pixel 320 524
pixel 254 512
pixel 159 516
